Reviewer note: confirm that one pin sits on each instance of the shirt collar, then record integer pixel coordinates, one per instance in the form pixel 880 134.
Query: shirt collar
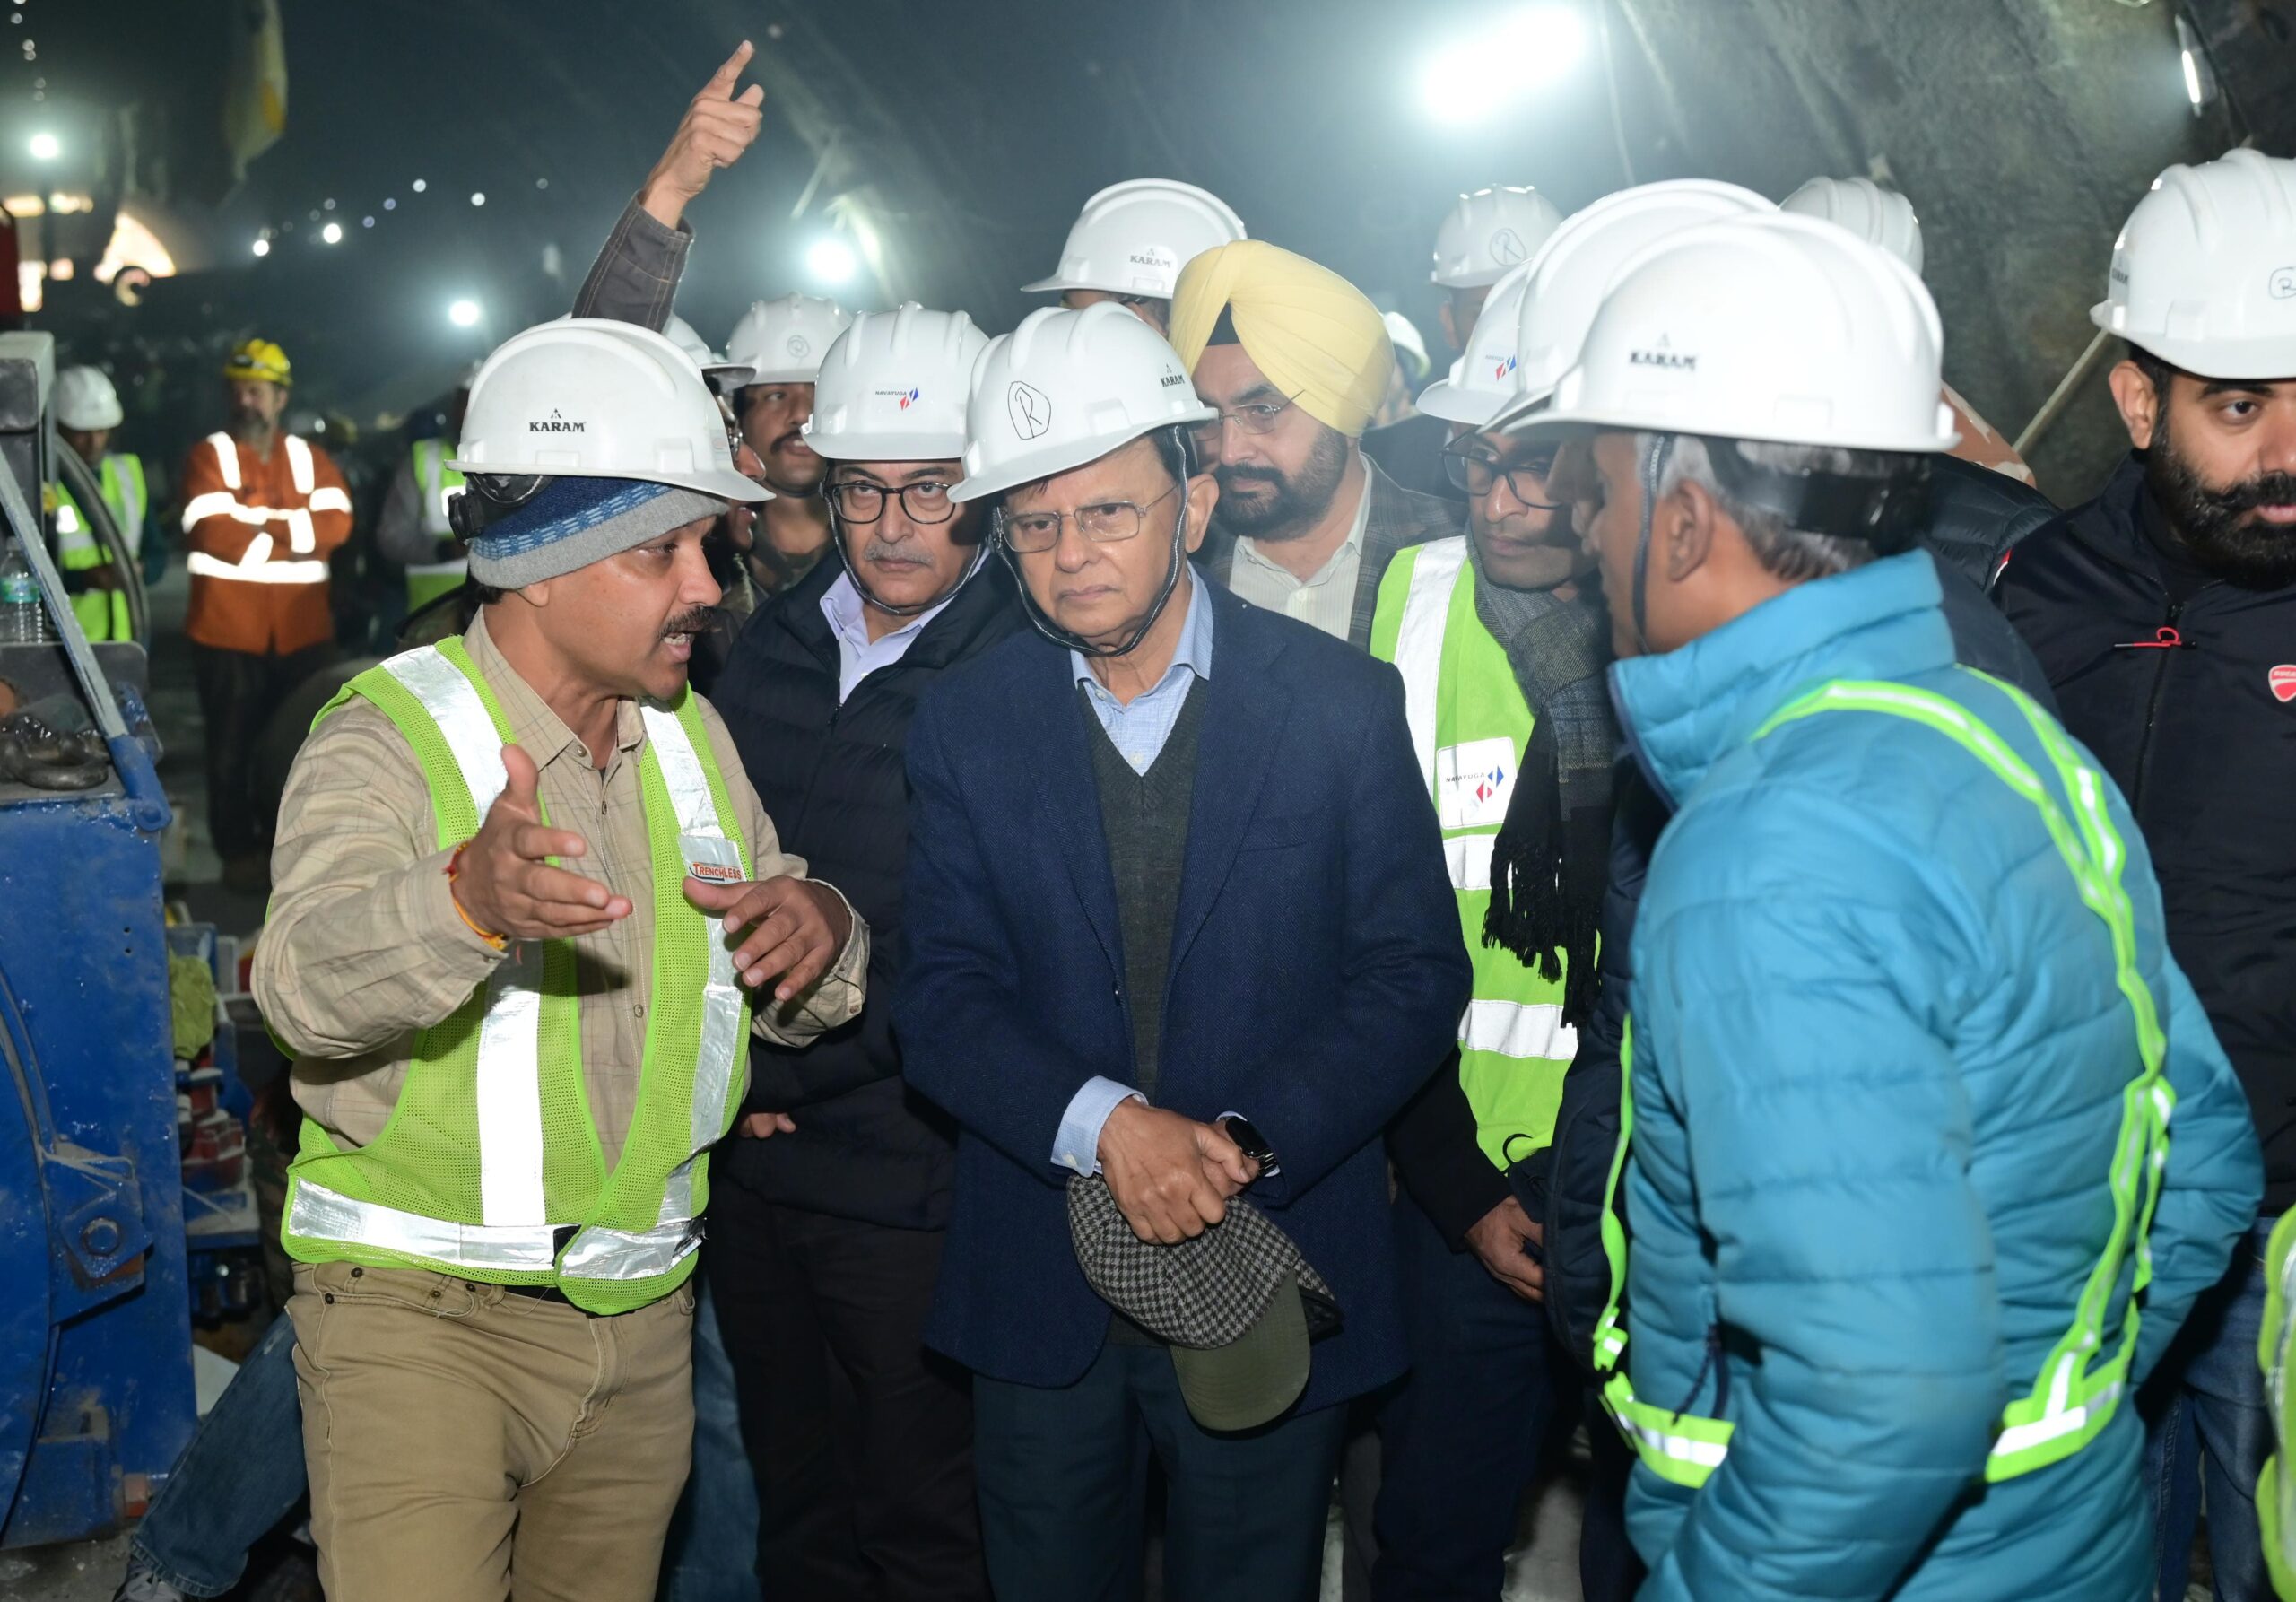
pixel 1194 654
pixel 537 730
pixel 841 605
pixel 1348 547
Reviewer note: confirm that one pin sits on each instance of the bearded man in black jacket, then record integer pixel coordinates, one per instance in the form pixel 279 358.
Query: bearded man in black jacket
pixel 2164 613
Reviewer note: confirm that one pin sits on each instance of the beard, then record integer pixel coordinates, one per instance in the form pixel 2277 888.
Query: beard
pixel 1267 503
pixel 2218 526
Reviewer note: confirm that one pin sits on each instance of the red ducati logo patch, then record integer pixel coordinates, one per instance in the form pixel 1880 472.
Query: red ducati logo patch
pixel 2283 680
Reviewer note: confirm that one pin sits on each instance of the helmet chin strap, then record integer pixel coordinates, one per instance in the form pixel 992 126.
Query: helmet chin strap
pixel 1076 642
pixel 1656 448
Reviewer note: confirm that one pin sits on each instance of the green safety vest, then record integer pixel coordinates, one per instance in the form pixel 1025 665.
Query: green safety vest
pixel 2074 1396
pixel 103 612
pixel 1471 724
pixel 490 1168
pixel 434 482
pixel 2276 1347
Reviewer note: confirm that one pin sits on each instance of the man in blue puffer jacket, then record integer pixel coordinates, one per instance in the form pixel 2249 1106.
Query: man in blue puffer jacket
pixel 1907 1041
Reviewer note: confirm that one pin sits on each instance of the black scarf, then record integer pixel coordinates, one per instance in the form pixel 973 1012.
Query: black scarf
pixel 1552 859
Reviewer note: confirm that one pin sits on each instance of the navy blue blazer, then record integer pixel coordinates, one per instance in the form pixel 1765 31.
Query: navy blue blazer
pixel 1316 974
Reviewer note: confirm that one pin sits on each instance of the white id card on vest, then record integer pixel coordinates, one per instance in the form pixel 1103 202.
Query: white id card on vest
pixel 1472 782
pixel 711 858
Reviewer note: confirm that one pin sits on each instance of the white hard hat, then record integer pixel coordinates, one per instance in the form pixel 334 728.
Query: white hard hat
pixel 1403 334
pixel 782 341
pixel 1876 215
pixel 1065 389
pixel 1133 237
pixel 589 397
pixel 1482 384
pixel 85 399
pixel 893 388
pixel 2203 276
pixel 1488 233
pixel 1578 264
pixel 1775 329
pixel 723 375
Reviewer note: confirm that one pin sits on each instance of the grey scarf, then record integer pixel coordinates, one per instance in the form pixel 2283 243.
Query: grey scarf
pixel 1552 859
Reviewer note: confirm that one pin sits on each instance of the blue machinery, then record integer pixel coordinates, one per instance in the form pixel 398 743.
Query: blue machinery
pixel 95 1349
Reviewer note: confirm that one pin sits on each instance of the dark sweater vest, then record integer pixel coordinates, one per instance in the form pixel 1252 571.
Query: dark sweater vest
pixel 1145 816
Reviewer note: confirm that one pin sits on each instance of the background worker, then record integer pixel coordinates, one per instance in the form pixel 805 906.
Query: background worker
pixel 413 527
pixel 1502 642
pixel 1295 359
pixel 2163 612
pixel 261 510
pixel 87 412
pixel 1130 242
pixel 1855 1288
pixel 782 341
pixel 1885 217
pixel 1483 237
pixel 526 899
pixel 828 1221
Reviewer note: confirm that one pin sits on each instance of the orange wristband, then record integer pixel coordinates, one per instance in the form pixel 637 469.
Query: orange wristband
pixel 453 871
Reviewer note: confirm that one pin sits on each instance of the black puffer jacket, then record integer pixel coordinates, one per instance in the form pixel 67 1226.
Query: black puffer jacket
pixel 833 780
pixel 2201 738
pixel 1976 518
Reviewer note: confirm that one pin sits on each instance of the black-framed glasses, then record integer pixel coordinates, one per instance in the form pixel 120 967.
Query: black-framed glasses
pixel 1255 419
pixel 858 500
pixel 1103 522
pixel 1470 465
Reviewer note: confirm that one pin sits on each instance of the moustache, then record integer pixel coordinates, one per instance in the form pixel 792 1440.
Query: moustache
pixel 794 437
pixel 901 554
pixel 1231 478
pixel 699 620
pixel 2266 489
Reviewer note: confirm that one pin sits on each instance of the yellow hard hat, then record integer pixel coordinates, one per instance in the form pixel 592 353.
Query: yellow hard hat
pixel 259 359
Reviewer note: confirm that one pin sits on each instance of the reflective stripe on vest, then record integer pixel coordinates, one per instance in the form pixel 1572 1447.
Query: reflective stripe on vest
pixel 518 1052
pixel 1469 725
pixel 121 485
pixel 104 614
pixel 2275 1349
pixel 2070 1402
pixel 256 566
pixel 434 482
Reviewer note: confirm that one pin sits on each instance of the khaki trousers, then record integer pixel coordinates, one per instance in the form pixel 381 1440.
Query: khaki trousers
pixel 466 1444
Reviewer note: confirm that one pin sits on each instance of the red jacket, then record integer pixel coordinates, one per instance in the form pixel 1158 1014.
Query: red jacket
pixel 258 530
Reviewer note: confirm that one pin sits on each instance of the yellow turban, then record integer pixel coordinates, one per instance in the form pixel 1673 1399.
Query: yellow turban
pixel 1310 331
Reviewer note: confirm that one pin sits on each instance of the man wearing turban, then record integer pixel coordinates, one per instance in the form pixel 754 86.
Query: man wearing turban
pixel 1296 361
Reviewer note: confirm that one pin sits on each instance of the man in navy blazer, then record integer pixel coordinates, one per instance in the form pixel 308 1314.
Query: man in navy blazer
pixel 1171 861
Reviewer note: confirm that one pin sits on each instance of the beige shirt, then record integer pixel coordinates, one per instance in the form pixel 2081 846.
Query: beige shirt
pixel 364 947
pixel 1326 598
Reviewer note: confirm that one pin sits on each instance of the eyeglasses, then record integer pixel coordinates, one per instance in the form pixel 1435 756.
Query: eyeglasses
pixel 1104 523
pixel 1255 419
pixel 1476 470
pixel 857 501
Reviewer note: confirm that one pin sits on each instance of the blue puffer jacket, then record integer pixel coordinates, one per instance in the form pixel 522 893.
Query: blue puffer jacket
pixel 1879 1055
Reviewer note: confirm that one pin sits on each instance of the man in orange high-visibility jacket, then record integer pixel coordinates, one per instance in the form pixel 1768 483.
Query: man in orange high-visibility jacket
pixel 261 510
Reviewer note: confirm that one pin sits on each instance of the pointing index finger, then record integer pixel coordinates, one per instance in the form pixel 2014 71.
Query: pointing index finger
pixel 721 82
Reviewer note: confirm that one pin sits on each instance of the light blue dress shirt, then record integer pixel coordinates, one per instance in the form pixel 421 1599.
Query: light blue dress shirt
pixel 857 655
pixel 1138 731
